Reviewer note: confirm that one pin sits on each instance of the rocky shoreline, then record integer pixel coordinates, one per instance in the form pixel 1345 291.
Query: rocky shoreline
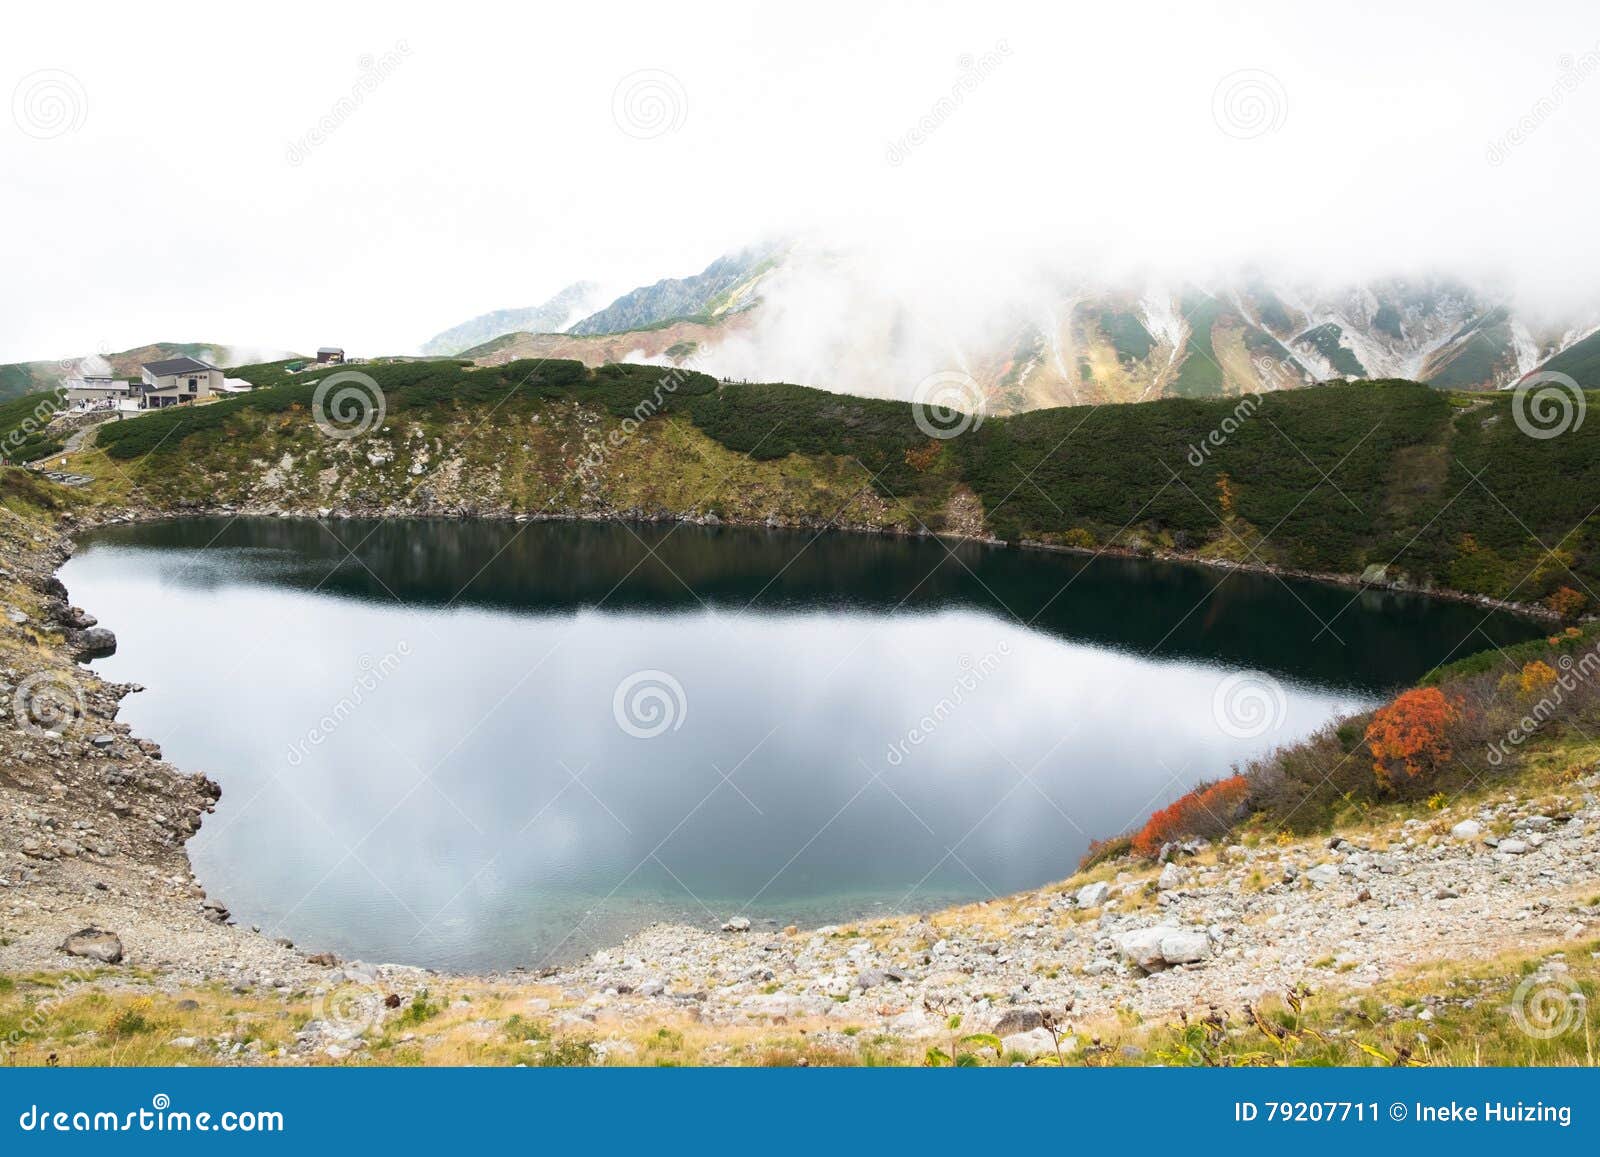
pixel 1224 925
pixel 96 820
pixel 94 875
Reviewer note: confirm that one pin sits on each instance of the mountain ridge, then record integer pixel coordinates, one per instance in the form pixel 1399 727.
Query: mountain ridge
pixel 551 316
pixel 817 316
pixel 725 286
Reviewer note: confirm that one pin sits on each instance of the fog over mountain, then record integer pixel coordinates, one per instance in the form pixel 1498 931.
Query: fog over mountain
pixel 1021 331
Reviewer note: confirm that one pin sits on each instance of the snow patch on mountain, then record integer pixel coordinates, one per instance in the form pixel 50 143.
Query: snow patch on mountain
pixel 1163 317
pixel 1527 349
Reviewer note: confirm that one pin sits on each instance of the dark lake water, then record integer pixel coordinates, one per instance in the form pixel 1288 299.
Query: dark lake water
pixel 480 745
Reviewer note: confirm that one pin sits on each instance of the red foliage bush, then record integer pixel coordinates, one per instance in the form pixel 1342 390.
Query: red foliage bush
pixel 1410 738
pixel 1208 811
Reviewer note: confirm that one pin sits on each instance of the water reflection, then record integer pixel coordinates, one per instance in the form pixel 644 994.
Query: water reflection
pixel 857 723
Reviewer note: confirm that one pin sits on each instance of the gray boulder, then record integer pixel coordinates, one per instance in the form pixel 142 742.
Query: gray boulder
pixel 1185 946
pixel 95 944
pixel 93 641
pixel 1142 947
pixel 1018 1020
pixel 1093 895
pixel 1323 875
pixel 1155 948
pixel 79 619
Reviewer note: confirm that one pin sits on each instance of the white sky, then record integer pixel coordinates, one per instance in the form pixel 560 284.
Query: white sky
pixel 488 170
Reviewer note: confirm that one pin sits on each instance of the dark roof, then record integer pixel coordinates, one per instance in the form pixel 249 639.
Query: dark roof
pixel 331 349
pixel 176 366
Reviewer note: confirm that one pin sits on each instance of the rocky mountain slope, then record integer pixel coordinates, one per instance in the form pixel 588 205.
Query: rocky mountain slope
pixel 553 316
pixel 1579 360
pixel 671 343
pixel 1049 337
pixel 723 288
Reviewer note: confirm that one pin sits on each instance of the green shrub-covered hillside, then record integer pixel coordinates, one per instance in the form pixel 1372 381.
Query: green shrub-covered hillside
pixel 1444 489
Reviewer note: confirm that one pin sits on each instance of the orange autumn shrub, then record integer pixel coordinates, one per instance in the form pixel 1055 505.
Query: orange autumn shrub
pixel 1409 738
pixel 1535 677
pixel 1566 602
pixel 1208 811
pixel 1225 496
